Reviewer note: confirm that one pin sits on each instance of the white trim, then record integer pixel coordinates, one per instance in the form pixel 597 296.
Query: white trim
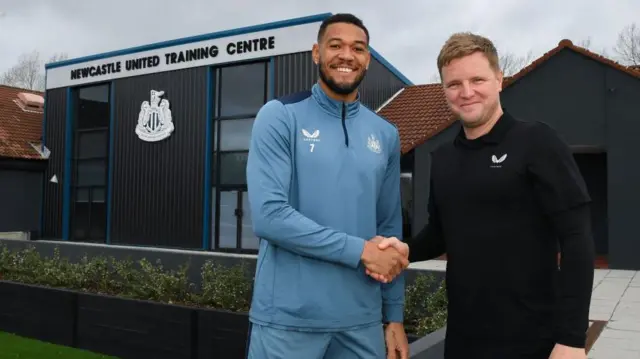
pixel 390 99
pixel 437 265
pixel 260 44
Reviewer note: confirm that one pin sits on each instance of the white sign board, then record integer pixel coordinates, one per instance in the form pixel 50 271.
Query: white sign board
pixel 253 45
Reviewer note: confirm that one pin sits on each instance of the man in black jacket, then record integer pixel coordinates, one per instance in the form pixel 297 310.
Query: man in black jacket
pixel 504 196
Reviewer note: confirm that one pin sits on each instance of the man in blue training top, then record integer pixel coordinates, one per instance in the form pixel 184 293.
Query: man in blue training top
pixel 324 185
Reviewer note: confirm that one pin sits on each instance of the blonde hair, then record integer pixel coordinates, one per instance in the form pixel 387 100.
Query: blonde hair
pixel 462 44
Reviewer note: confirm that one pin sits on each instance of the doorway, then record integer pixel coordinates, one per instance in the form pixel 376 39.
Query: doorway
pixel 593 167
pixel 233 224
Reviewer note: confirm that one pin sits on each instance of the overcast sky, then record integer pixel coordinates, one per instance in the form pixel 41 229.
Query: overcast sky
pixel 408 33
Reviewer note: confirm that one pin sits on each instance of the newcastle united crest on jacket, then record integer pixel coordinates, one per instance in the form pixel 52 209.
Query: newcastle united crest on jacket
pixel 154 121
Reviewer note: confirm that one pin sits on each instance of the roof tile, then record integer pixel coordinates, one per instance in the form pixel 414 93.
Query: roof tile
pixel 419 112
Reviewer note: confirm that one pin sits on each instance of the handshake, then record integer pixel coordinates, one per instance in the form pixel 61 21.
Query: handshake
pixel 385 258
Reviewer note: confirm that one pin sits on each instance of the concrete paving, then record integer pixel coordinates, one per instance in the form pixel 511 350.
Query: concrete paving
pixel 615 299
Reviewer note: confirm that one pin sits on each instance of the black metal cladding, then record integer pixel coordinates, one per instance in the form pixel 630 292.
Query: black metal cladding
pixel 157 188
pixel 20 193
pixel 294 73
pixel 379 85
pixel 297 72
pixel 55 125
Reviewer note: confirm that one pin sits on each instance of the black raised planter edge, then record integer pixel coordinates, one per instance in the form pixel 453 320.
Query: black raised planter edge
pixel 206 339
pixel 430 346
pixel 201 342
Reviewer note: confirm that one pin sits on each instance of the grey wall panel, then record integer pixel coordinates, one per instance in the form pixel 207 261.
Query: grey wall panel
pixel 157 188
pixel 568 92
pixel 422 175
pixel 623 126
pixel 56 105
pixel 21 195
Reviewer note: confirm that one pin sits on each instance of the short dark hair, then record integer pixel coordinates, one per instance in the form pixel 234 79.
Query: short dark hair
pixel 342 18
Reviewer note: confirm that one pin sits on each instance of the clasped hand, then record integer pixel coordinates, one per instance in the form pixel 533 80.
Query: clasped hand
pixel 385 258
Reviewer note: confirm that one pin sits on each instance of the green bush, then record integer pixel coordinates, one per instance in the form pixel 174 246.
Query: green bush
pixel 222 287
pixel 425 306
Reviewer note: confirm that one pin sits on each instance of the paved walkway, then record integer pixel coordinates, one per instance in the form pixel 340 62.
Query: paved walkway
pixel 615 299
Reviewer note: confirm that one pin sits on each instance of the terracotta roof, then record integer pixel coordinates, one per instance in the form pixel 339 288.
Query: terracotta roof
pixel 419 112
pixel 567 44
pixel 19 128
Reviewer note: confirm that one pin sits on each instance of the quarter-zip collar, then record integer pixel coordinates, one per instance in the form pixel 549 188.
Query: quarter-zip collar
pixel 339 109
pixel 334 107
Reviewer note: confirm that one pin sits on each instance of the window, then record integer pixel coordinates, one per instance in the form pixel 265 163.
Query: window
pixel 93 107
pixel 233 168
pixel 243 89
pixel 235 134
pixel 241 92
pixel 90 164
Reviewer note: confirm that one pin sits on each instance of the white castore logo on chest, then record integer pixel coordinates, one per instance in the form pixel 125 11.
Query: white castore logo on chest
pixel 497 161
pixel 312 137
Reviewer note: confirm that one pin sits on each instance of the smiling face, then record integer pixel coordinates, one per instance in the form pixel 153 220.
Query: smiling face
pixel 471 79
pixel 472 88
pixel 342 56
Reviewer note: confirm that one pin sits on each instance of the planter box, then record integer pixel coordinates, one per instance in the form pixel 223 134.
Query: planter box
pixel 133 329
pixel 128 328
pixel 412 337
pixel 222 334
pixel 36 312
pixel 121 327
pixel 430 346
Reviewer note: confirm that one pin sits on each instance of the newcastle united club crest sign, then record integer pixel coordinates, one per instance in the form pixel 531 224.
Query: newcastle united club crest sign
pixel 154 121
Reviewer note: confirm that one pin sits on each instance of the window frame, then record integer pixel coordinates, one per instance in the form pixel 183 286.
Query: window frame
pixel 77 159
pixel 217 186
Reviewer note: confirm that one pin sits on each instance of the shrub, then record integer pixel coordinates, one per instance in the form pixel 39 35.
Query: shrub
pixel 425 306
pixel 222 287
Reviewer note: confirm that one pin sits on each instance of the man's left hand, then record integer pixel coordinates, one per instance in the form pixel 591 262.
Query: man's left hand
pixel 396 340
pixel 564 352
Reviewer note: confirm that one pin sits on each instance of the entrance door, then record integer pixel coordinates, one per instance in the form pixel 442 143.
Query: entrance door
pixel 235 229
pixel 593 167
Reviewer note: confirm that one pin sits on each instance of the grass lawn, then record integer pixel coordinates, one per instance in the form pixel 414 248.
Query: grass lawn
pixel 12 346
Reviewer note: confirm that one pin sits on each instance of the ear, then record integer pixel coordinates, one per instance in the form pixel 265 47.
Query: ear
pixel 500 77
pixel 315 53
pixel 368 60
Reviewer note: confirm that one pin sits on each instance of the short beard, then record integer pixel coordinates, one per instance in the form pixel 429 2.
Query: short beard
pixel 340 89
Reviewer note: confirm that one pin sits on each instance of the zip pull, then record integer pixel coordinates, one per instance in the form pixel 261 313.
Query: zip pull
pixel 344 124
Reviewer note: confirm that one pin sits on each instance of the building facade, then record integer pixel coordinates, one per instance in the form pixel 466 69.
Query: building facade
pixel 150 144
pixel 23 161
pixel 593 104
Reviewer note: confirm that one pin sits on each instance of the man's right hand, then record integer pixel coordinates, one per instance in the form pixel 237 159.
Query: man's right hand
pixel 386 263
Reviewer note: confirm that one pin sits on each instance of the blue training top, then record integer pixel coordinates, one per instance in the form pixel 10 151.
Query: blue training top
pixel 323 176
